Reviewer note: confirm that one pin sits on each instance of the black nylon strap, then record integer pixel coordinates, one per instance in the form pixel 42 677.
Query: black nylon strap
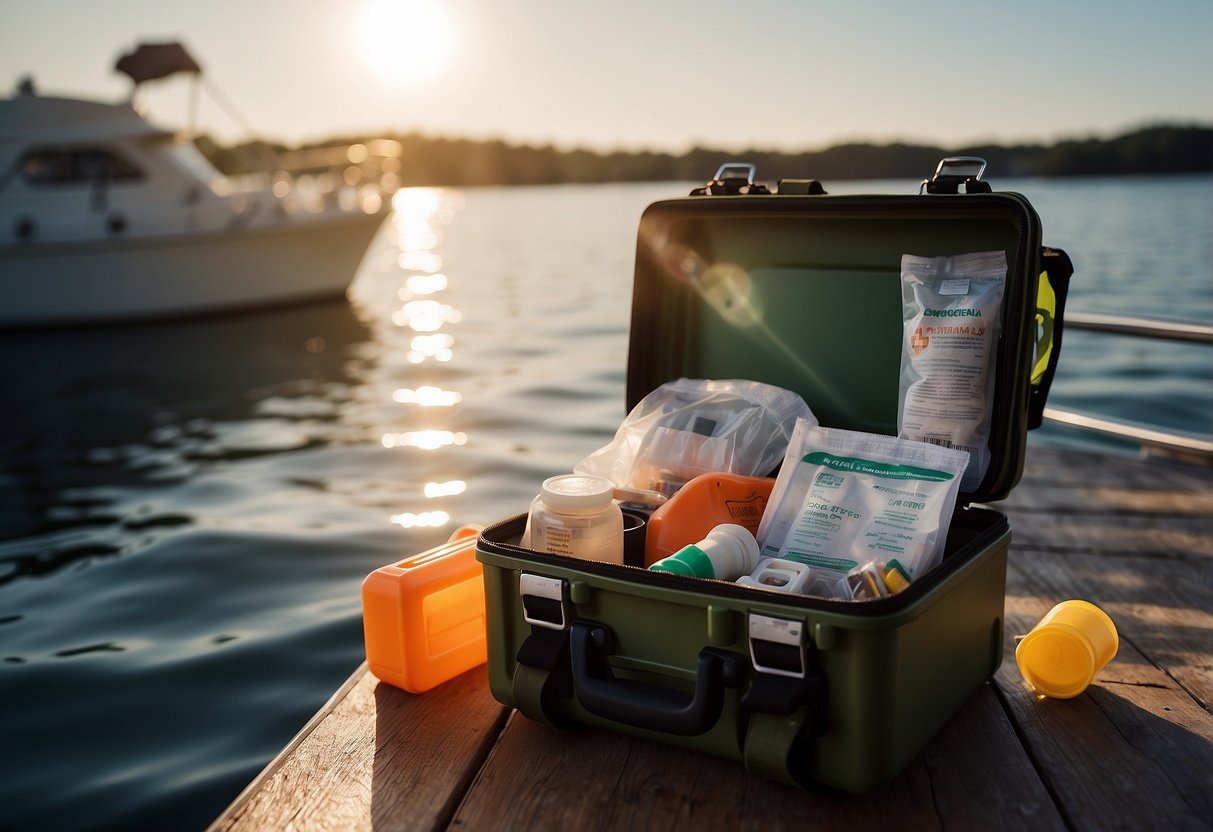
pixel 772 742
pixel 784 713
pixel 543 674
pixel 1056 263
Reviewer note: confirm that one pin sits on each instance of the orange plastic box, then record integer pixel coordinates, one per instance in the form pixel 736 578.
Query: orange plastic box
pixel 423 617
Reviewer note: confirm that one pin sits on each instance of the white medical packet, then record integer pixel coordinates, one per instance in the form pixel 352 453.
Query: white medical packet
pixel 843 498
pixel 951 312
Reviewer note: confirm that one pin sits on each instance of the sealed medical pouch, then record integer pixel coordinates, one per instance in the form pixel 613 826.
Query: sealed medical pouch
pixel 799 289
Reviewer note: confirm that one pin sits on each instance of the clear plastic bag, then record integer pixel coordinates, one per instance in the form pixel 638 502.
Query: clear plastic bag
pixel 689 427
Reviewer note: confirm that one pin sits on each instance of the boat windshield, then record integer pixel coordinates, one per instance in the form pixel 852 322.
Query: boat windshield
pixel 75 166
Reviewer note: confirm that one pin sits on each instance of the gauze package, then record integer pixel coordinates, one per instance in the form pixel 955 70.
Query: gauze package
pixel 950 309
pixel 689 427
pixel 843 498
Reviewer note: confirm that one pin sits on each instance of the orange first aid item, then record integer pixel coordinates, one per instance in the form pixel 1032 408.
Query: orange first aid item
pixel 701 505
pixel 423 617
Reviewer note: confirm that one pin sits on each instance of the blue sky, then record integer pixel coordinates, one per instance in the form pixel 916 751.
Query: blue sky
pixel 800 74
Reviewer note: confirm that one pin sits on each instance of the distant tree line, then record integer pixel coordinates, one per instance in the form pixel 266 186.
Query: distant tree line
pixel 430 160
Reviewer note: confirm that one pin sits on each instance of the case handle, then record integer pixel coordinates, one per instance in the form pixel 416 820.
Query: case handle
pixel 954 171
pixel 647 706
pixel 733 178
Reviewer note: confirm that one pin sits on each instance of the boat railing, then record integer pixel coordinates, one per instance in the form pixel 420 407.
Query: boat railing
pixel 1150 438
pixel 313 179
pixel 376 162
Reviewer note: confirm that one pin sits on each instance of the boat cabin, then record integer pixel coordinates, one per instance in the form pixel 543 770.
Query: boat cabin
pixel 74 170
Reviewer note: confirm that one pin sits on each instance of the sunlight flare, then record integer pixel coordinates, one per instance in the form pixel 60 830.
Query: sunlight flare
pixel 405 42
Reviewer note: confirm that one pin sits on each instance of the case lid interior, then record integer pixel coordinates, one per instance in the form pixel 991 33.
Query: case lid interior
pixel 805 293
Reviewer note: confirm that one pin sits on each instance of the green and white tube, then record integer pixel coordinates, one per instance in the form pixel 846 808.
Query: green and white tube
pixel 727 553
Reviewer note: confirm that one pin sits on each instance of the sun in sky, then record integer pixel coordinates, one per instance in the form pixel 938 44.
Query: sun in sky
pixel 405 42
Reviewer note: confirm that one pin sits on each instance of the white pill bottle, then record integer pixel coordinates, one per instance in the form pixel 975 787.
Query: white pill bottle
pixel 574 515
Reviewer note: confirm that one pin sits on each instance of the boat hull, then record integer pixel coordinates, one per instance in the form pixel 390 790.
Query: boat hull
pixel 129 279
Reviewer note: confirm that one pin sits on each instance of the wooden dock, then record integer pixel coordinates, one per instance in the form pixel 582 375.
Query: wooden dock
pixel 1133 752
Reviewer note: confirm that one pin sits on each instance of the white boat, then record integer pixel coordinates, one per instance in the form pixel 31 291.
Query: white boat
pixel 105 217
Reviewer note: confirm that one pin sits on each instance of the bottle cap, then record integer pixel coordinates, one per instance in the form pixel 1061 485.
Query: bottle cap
pixel 1061 655
pixel 743 543
pixel 577 491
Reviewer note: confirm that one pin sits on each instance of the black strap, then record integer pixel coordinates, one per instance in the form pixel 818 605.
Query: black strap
pixel 783 714
pixel 543 675
pixel 785 695
pixel 1057 265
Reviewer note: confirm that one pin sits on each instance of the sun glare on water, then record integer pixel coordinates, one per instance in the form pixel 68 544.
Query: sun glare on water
pixel 405 42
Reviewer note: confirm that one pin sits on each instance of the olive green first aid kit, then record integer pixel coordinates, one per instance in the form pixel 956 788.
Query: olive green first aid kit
pixel 793 287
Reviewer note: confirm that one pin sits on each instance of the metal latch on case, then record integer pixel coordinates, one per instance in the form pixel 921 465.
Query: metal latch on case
pixel 778 646
pixel 544 601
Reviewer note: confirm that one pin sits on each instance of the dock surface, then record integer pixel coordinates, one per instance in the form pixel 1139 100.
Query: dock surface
pixel 1135 751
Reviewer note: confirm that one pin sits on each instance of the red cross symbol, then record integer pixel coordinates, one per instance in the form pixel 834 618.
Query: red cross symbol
pixel 919 342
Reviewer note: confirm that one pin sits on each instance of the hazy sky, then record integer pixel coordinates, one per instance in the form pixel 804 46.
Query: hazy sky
pixel 661 74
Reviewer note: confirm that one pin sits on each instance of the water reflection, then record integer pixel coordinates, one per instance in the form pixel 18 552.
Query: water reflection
pixel 422 261
pixel 427 397
pixel 422 322
pixel 425 315
pixel 426 440
pixel 438 347
pixel 445 489
pixel 424 520
pixel 424 284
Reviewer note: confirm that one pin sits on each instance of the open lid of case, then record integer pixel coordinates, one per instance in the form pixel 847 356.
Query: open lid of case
pixel 804 292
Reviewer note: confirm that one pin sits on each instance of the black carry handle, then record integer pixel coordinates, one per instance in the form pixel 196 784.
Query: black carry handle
pixel 647 706
pixel 731 179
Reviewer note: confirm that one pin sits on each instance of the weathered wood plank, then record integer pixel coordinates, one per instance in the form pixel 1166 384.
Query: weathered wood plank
pixel 1136 750
pixel 1046 466
pixel 378 758
pixel 974 774
pixel 981 776
pixel 1079 502
pixel 1114 535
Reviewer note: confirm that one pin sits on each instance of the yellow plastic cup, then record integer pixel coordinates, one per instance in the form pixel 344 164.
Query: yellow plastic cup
pixel 1062 653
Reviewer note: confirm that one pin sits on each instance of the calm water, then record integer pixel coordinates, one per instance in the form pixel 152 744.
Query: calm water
pixel 187 510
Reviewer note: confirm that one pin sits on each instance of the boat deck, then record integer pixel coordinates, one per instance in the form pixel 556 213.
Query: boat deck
pixel 1135 751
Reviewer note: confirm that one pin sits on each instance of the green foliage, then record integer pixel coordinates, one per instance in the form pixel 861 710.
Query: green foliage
pixel 462 162
pixel 1165 149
